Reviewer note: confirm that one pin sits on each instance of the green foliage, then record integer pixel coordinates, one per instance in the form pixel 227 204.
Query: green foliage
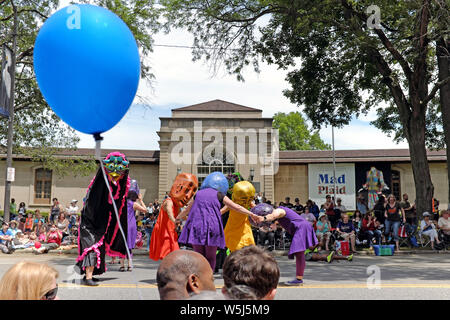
pixel 38 131
pixel 333 56
pixel 294 133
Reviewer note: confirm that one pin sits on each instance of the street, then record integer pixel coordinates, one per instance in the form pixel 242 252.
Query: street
pixel 415 277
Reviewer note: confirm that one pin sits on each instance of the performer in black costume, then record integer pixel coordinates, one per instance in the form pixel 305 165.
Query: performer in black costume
pixel 99 232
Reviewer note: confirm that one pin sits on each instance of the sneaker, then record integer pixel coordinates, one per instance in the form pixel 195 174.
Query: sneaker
pixel 350 257
pixel 330 257
pixel 295 282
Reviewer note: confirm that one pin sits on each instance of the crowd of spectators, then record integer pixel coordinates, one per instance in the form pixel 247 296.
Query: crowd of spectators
pixel 31 229
pixel 390 222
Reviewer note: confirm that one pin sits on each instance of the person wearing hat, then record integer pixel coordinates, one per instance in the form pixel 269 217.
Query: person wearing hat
pixel 6 237
pixel 323 232
pixel 13 228
pixel 72 211
pixel 428 228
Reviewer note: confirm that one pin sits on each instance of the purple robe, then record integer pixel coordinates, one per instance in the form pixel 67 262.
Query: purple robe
pixel 204 224
pixel 132 227
pixel 302 232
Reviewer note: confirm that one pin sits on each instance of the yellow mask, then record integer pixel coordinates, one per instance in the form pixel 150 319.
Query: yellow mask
pixel 243 193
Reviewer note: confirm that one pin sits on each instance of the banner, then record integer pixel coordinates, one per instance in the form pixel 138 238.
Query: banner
pixel 321 183
pixel 5 81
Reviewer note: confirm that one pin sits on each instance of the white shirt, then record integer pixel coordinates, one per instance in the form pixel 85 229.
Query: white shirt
pixel 72 210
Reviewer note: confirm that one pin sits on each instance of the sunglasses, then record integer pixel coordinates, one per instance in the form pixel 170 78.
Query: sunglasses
pixel 51 295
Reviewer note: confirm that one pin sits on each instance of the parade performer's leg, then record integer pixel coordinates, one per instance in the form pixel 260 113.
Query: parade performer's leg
pixel 210 255
pixel 300 264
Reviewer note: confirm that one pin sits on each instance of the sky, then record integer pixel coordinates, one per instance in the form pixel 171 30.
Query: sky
pixel 181 82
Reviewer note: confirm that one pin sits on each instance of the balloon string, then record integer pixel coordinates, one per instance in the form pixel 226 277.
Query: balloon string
pixel 98 141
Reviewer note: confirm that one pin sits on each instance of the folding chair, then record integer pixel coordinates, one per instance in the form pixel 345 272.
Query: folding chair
pixel 424 240
pixel 403 237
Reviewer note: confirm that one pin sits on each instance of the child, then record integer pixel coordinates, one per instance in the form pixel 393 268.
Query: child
pixel 29 223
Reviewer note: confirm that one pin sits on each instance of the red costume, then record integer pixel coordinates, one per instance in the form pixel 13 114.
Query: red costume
pixel 164 238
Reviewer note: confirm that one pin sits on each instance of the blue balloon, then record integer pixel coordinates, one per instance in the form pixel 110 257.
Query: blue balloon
pixel 87 66
pixel 217 181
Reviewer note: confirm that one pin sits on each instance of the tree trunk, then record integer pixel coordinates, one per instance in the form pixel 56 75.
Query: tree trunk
pixel 419 162
pixel 443 57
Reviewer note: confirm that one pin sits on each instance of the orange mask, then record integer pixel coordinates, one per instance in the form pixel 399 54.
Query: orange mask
pixel 183 189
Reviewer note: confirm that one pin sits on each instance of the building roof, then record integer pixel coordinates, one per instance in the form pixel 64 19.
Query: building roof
pixel 285 157
pixel 217 106
pixel 141 156
pixel 374 155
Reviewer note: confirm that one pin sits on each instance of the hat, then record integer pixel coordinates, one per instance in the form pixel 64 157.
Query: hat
pixel 74 200
pixel 13 221
pixel 426 214
pixel 321 215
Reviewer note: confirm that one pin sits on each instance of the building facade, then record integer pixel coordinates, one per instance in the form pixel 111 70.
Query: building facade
pixel 223 136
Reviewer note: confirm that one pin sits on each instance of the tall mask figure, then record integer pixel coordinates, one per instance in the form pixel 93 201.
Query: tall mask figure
pixel 374 184
pixel 164 238
pixel 238 231
pixel 99 232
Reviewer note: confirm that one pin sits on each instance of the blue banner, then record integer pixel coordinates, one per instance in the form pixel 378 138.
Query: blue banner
pixel 5 81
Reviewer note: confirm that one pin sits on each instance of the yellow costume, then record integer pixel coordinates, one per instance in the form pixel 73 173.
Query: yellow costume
pixel 238 231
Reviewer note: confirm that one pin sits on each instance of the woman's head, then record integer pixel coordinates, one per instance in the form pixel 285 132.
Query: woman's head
pixel 132 195
pixel 22 204
pixel 391 199
pixel 37 212
pixel 5 226
pixel 357 214
pixel 29 281
pixel 61 216
pixel 30 215
pixel 52 227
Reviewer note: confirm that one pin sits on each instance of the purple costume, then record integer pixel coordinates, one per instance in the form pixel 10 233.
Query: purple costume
pixel 302 232
pixel 204 224
pixel 132 228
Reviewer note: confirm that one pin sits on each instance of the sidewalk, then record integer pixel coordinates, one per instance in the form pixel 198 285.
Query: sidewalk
pixel 276 253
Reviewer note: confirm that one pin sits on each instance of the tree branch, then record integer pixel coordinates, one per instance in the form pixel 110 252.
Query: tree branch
pixel 436 87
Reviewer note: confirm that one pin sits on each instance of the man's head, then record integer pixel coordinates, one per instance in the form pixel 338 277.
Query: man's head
pixel 405 197
pixel 287 200
pixel 182 273
pixel 5 226
pixel 344 217
pixel 253 268
pixel 445 214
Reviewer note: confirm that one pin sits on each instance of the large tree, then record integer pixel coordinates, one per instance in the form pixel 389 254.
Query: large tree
pixel 295 134
pixel 345 57
pixel 38 131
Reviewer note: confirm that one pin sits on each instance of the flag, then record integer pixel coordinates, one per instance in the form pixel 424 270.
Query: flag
pixel 5 81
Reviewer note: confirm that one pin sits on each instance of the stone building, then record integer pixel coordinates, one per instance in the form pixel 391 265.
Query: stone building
pixel 223 136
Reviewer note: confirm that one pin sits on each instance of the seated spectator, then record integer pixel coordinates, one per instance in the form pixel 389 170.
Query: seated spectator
pixel 6 239
pixel 13 228
pixel 29 224
pixel 346 231
pixel 444 223
pixel 340 206
pixel 308 216
pixel 267 232
pixel 22 241
pixel 313 208
pixel 29 281
pixel 52 240
pixel 370 230
pixel 38 221
pixel 253 268
pixel 62 224
pixel 323 231
pixel 183 273
pixel 428 228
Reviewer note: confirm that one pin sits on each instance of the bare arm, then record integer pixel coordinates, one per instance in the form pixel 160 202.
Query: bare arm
pixel 224 210
pixel 186 211
pixel 276 214
pixel 238 208
pixel 139 207
pixel 168 208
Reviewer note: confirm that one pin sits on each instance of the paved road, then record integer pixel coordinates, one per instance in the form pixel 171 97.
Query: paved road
pixel 401 277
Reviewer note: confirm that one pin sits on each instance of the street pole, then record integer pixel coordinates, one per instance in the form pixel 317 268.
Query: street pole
pixel 334 164
pixel 6 215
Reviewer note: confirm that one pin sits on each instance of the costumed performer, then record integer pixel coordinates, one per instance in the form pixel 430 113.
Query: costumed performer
pixel 203 228
pixel 238 231
pixel 134 203
pixel 164 238
pixel 302 232
pixel 374 184
pixel 98 232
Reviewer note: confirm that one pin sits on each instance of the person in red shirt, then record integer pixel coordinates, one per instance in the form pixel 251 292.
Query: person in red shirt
pixel 53 240
pixel 369 228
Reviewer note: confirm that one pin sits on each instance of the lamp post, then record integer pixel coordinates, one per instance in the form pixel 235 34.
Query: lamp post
pixel 334 164
pixel 252 174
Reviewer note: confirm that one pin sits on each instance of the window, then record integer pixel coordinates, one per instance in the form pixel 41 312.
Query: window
pixel 223 163
pixel 42 186
pixel 395 184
